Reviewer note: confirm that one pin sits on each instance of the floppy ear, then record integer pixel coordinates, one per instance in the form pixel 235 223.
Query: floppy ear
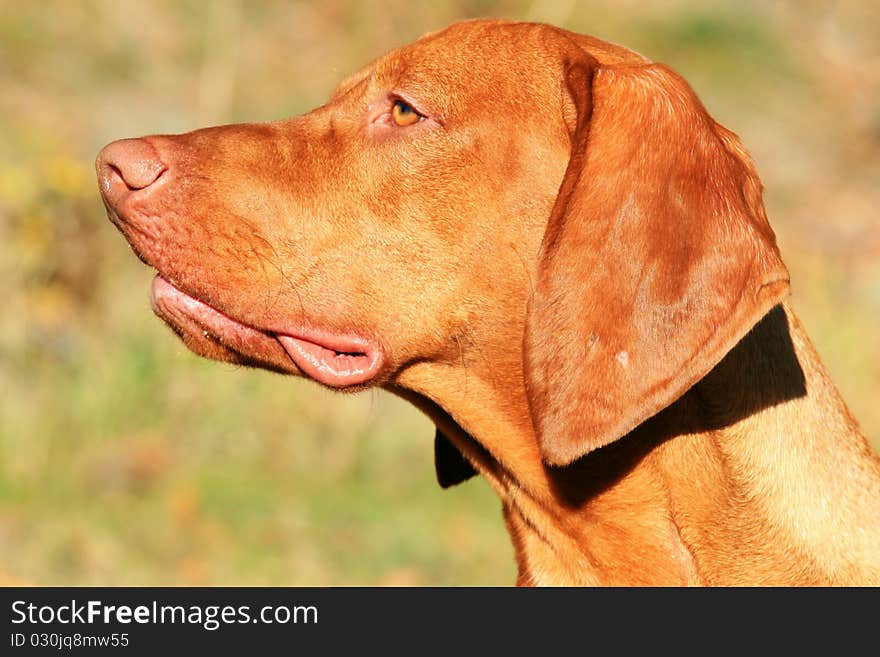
pixel 657 259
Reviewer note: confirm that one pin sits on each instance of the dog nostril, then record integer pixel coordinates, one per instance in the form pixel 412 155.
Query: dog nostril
pixel 112 171
pixel 126 166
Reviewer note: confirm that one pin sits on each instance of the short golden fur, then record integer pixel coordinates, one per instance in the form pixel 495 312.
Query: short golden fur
pixel 566 264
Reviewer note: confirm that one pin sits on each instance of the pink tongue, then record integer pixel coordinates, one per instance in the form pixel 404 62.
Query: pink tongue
pixel 327 366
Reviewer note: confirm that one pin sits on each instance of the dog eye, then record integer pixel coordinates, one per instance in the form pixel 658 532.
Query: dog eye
pixel 403 114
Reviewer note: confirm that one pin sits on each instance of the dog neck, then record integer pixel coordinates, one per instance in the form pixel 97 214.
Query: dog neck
pixel 750 478
pixel 768 482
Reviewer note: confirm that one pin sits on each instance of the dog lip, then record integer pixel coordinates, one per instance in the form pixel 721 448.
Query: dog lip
pixel 334 359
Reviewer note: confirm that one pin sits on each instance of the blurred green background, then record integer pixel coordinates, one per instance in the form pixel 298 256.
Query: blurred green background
pixel 124 459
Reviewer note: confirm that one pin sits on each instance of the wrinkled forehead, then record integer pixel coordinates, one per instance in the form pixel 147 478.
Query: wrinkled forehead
pixel 465 63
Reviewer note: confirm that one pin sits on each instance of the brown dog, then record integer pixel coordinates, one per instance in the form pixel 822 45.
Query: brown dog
pixel 544 242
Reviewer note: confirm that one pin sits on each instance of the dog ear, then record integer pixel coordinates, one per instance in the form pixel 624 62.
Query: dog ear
pixel 657 259
pixel 450 464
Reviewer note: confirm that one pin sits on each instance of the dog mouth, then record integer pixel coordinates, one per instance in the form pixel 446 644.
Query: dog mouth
pixel 337 360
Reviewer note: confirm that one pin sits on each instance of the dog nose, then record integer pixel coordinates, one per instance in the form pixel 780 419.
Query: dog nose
pixel 125 166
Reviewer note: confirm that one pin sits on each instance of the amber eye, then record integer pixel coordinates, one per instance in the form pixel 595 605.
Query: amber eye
pixel 403 114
